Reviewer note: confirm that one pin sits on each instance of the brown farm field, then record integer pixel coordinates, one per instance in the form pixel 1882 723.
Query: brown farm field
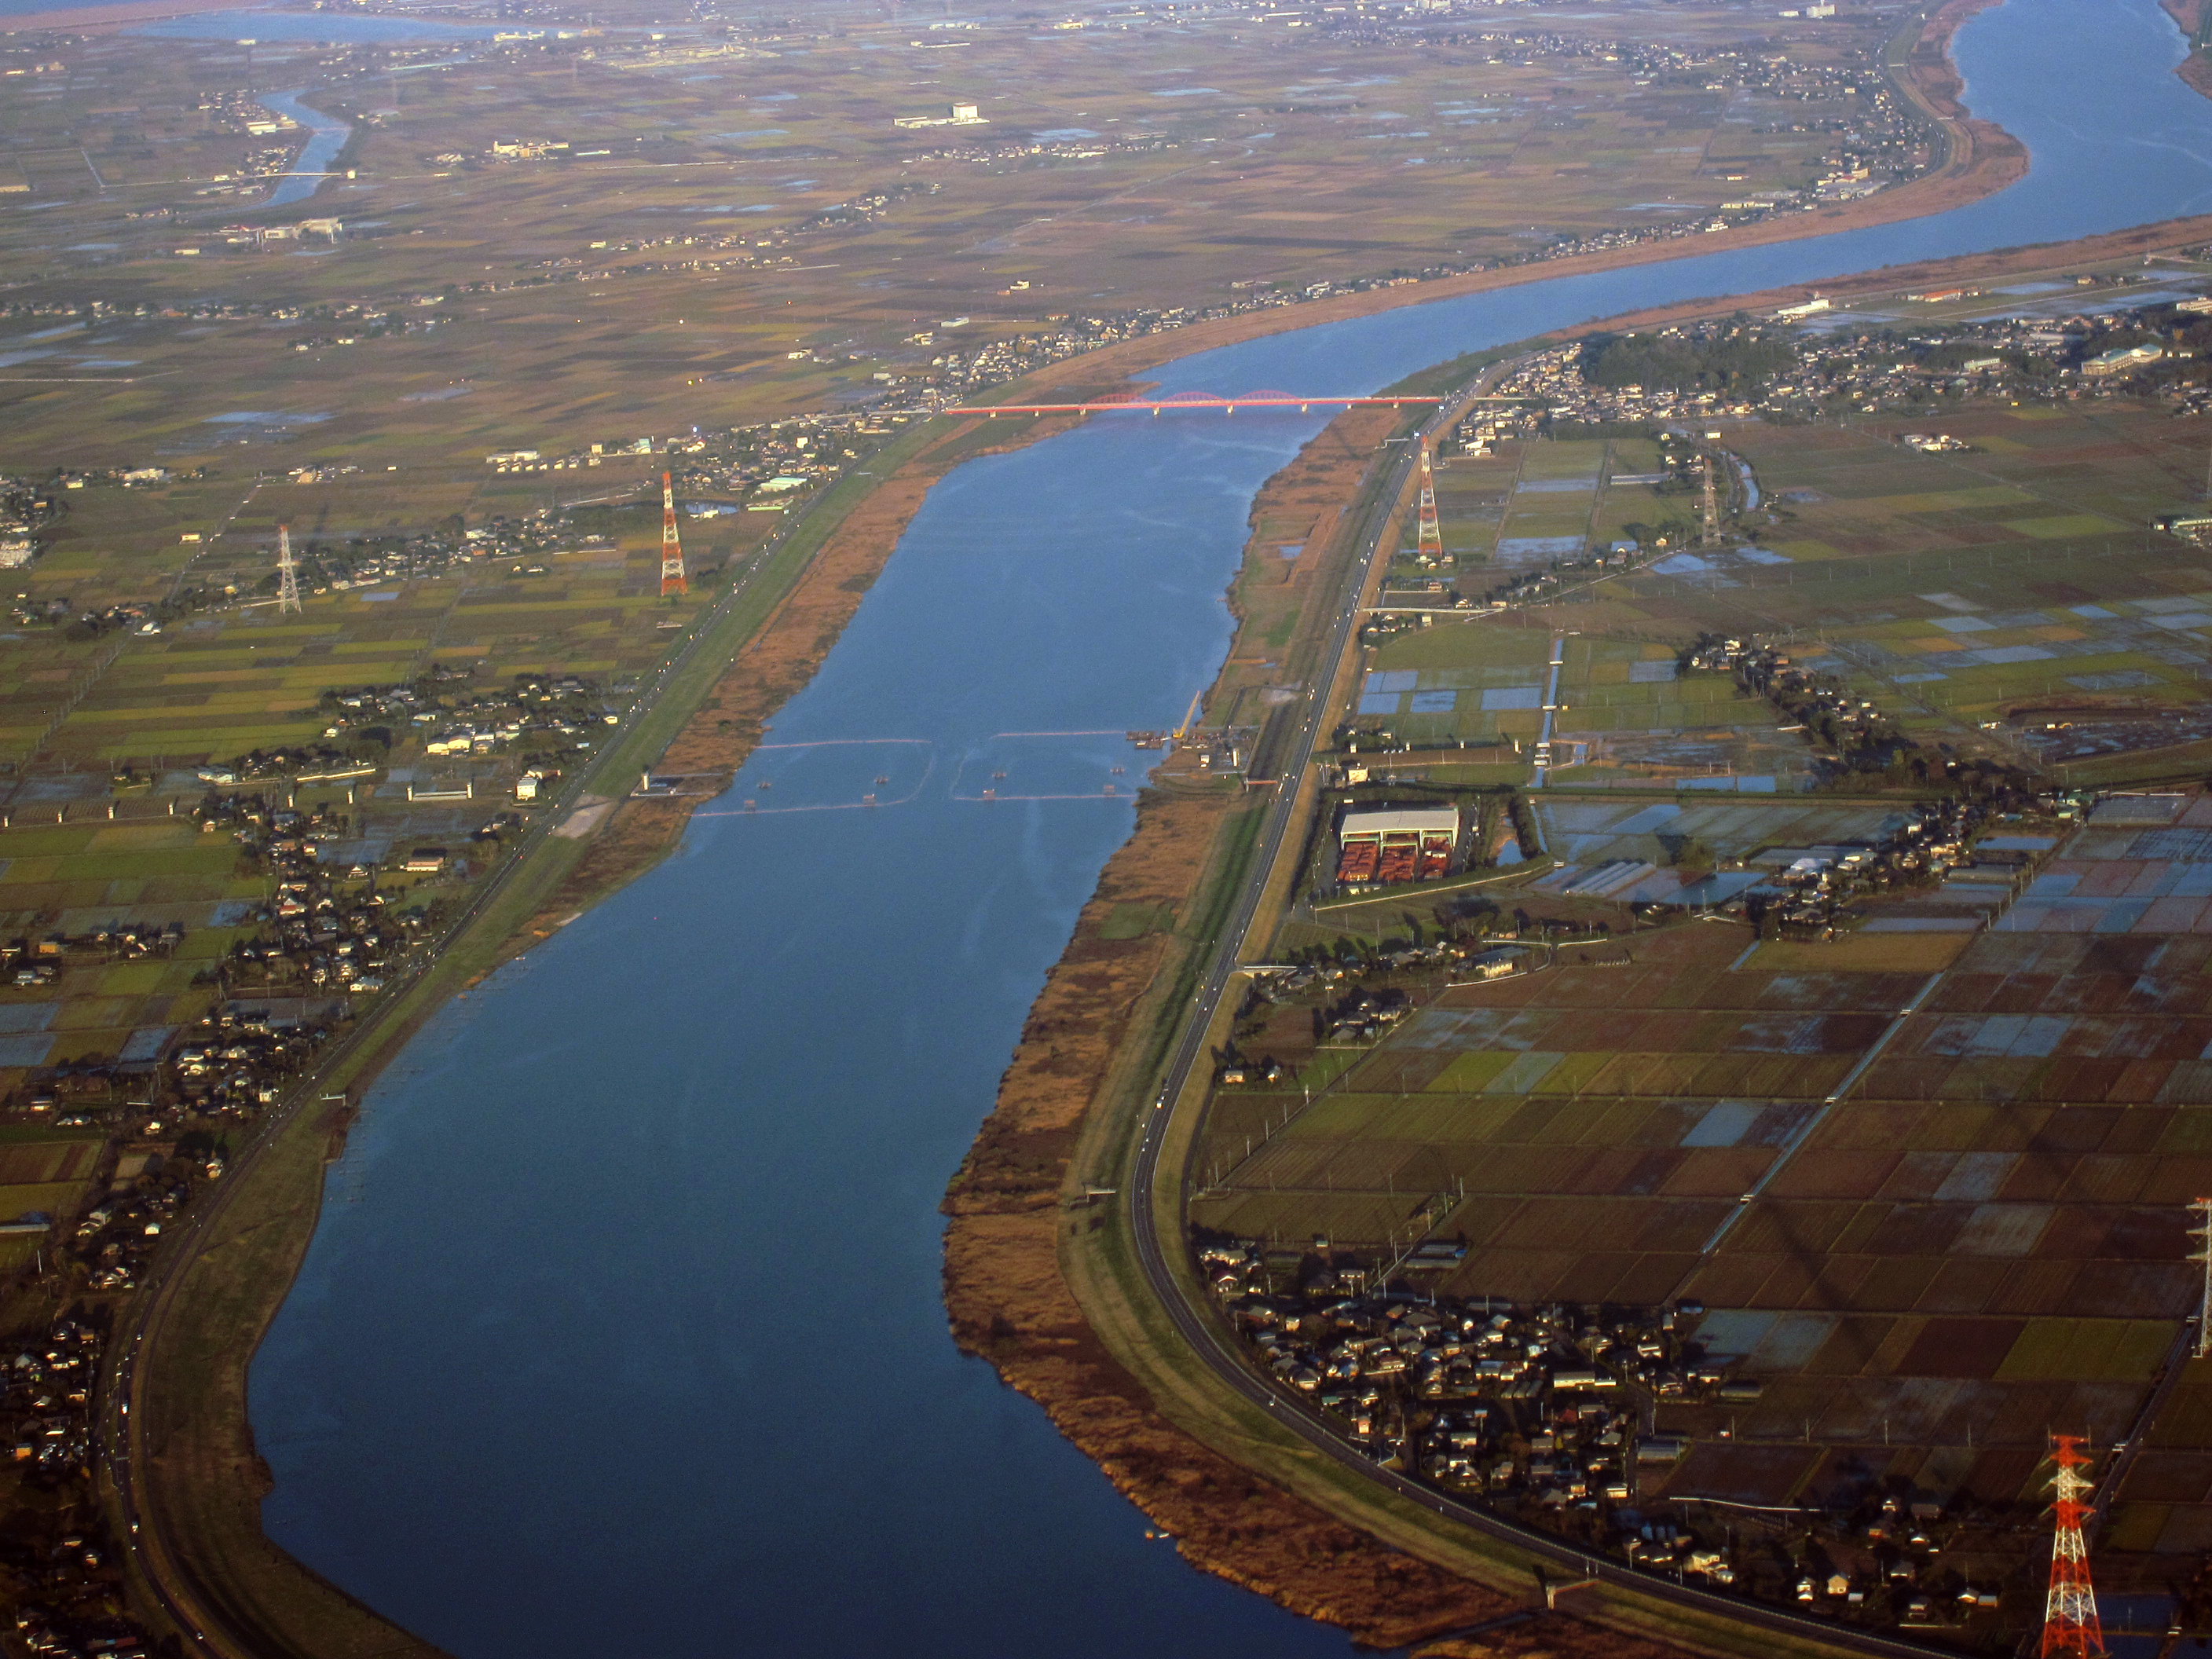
pixel 735 230
pixel 1933 1208
pixel 730 229
pixel 2014 598
pixel 1911 1192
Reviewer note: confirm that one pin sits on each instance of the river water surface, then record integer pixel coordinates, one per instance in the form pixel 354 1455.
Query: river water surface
pixel 326 136
pixel 621 1333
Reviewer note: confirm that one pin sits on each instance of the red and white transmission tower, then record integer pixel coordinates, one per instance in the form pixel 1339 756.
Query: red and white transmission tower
pixel 2070 1628
pixel 1431 535
pixel 671 550
pixel 287 577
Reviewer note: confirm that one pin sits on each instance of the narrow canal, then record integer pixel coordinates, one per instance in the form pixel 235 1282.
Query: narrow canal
pixel 326 136
pixel 622 1332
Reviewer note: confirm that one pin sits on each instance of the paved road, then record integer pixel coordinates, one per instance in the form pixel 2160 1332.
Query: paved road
pixel 119 1413
pixel 1199 1326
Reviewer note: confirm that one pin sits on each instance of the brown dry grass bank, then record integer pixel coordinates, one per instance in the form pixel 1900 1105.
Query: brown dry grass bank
pixel 1006 1294
pixel 771 668
pixel 1009 1303
pixel 2195 68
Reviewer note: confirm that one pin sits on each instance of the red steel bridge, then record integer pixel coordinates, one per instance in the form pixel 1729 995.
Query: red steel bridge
pixel 1199 402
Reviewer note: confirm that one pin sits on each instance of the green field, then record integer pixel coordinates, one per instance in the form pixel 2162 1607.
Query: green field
pixel 2011 599
pixel 715 211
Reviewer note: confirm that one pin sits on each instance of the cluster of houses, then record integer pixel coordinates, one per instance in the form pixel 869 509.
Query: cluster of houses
pixel 1347 1012
pixel 24 507
pixel 1549 1414
pixel 364 560
pixel 318 935
pixel 549 715
pixel 235 1062
pixel 115 1237
pixel 68 1581
pixel 27 961
pixel 46 1390
pixel 1540 1407
pixel 1542 585
pixel 773 463
pixel 361 560
pixel 302 763
pixel 1931 848
pixel 1857 734
pixel 1868 370
pixel 1017 145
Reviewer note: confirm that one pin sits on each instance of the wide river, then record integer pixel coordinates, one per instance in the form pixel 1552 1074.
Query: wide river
pixel 622 1334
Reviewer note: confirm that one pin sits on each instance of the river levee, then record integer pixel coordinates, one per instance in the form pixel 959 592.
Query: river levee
pixel 620 1331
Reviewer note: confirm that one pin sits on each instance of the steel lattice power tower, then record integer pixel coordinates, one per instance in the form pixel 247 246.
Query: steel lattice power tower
pixel 1431 535
pixel 671 550
pixel 288 579
pixel 2070 1627
pixel 2201 1212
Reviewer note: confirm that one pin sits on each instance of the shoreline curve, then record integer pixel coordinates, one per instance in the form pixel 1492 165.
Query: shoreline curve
pixel 717 734
pixel 1012 1225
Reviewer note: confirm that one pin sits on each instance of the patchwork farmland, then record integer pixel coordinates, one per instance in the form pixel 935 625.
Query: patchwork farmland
pixel 1929 1205
pixel 110 831
pixel 2008 597
pixel 1768 1244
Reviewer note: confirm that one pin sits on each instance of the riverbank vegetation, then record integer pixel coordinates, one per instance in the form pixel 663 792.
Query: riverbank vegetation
pixel 453 577
pixel 1496 147
pixel 1329 1155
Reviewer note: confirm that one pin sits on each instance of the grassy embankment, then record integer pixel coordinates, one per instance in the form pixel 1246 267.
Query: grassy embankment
pixel 200 1430
pixel 1101 1264
pixel 200 1481
pixel 1175 1438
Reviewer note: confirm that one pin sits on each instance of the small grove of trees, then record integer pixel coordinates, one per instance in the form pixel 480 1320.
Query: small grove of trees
pixel 1730 359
